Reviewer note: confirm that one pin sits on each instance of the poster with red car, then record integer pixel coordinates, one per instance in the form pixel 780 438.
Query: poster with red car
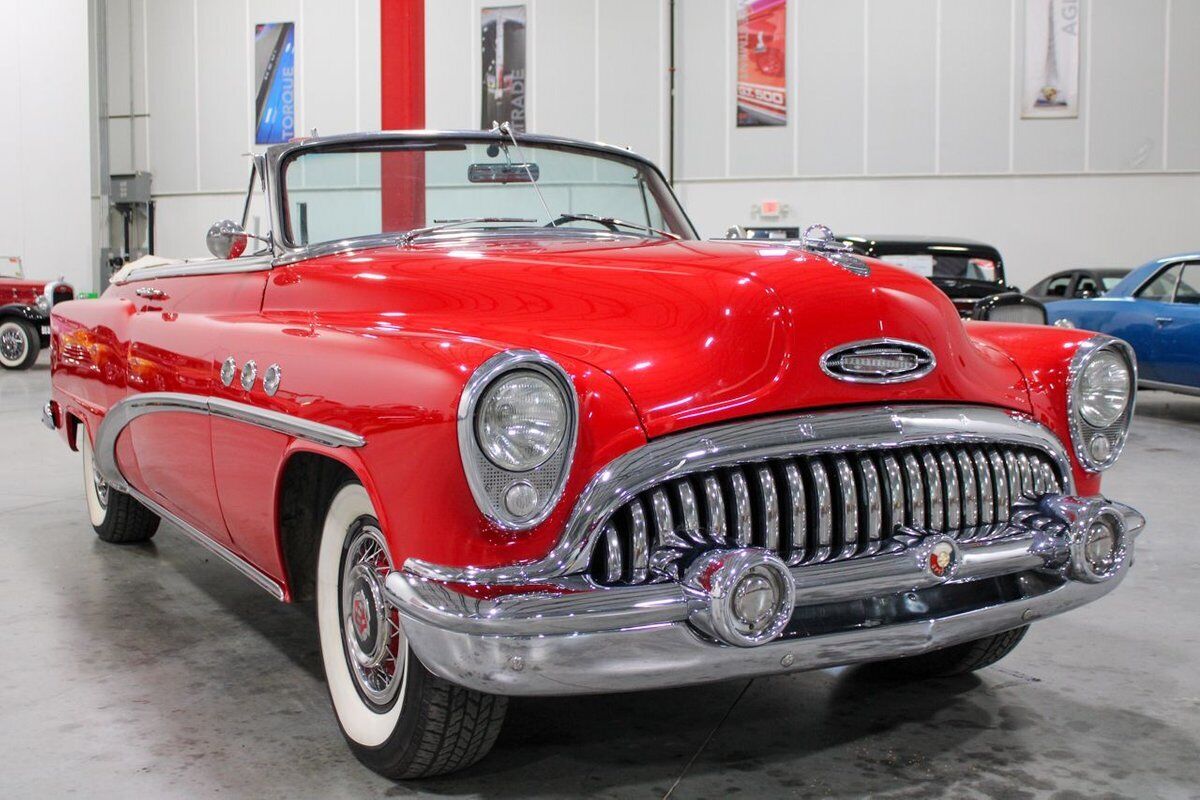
pixel 762 63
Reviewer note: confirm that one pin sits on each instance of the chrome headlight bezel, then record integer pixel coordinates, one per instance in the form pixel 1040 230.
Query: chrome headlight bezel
pixel 1083 433
pixel 490 482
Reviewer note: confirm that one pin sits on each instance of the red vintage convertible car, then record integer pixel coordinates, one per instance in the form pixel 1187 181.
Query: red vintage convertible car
pixel 493 406
pixel 25 314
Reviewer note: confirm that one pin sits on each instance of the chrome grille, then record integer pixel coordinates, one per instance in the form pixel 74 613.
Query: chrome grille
pixel 817 508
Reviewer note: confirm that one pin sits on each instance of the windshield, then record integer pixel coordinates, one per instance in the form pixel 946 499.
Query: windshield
pixel 359 189
pixel 947 266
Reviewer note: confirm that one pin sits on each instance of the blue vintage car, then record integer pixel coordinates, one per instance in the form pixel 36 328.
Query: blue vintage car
pixel 1156 308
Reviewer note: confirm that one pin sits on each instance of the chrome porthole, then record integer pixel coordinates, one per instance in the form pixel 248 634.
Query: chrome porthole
pixel 271 379
pixel 249 375
pixel 229 369
pixel 370 625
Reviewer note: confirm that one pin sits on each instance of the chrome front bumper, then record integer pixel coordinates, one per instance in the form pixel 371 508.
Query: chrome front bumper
pixel 570 637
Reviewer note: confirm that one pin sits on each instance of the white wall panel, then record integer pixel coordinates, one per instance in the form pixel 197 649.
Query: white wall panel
pixel 974 81
pixel 171 53
pixel 704 101
pixel 330 90
pixel 900 85
pixel 632 79
pixel 223 103
pixel 1183 97
pixel 1128 46
pixel 1049 145
pixel 451 37
pixel 564 38
pixel 368 65
pixel 827 104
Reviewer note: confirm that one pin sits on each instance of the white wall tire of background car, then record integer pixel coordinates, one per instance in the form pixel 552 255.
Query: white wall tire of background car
pixel 18 344
pixel 97 505
pixel 362 723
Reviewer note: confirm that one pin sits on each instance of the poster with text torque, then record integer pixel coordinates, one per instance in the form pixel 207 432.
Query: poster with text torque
pixel 503 61
pixel 762 63
pixel 275 73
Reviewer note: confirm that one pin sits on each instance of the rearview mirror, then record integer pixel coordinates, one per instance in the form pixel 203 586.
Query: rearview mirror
pixel 226 239
pixel 503 173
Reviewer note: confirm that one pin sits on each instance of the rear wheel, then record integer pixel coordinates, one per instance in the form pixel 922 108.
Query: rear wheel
pixel 19 344
pixel 116 517
pixel 398 718
pixel 960 658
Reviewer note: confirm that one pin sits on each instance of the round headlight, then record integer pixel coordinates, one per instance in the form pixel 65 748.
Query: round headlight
pixel 1104 389
pixel 521 421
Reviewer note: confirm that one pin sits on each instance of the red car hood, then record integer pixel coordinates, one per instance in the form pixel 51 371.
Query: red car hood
pixel 696 332
pixel 20 290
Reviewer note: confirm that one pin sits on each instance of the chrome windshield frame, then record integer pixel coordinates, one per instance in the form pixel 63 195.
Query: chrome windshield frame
pixel 277 156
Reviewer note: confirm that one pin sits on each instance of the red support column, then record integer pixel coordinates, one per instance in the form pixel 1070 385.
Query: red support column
pixel 402 107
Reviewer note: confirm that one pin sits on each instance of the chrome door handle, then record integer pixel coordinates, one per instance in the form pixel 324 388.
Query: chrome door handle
pixel 1162 322
pixel 150 293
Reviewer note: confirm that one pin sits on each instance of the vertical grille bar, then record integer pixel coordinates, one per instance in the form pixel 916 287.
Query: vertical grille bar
pixel 769 499
pixel 743 533
pixel 690 511
pixel 1026 474
pixel 1014 478
pixel 1001 481
pixel 895 494
pixel 664 521
pixel 799 506
pixel 872 502
pixel 823 546
pixel 848 493
pixel 933 491
pixel 970 489
pixel 714 510
pixel 953 502
pixel 639 542
pixel 916 493
pixel 614 563
pixel 987 500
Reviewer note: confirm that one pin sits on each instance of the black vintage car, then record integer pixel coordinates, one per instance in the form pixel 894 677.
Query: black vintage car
pixel 971 273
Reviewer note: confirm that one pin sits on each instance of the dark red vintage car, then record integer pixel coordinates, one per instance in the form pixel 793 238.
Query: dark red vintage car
pixel 25 314
pixel 494 407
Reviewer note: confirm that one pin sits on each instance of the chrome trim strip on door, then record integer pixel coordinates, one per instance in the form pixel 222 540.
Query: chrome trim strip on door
pixel 205 266
pixel 130 408
pixel 741 443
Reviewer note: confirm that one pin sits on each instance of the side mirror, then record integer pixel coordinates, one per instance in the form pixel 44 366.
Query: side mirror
pixel 226 239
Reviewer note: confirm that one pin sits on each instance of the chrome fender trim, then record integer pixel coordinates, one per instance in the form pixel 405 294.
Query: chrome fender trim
pixel 127 410
pixel 743 442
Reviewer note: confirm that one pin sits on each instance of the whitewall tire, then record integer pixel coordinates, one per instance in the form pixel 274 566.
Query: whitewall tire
pixel 398 718
pixel 116 517
pixel 19 344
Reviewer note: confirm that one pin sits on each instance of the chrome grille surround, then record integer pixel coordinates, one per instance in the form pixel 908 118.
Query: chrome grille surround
pixel 898 429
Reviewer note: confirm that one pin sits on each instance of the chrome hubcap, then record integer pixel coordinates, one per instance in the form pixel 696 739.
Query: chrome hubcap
pixel 12 343
pixel 370 626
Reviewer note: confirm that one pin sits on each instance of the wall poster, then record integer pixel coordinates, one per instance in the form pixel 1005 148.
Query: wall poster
pixel 504 75
pixel 275 73
pixel 762 63
pixel 1051 88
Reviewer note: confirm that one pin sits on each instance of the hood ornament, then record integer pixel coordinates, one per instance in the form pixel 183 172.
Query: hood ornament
pixel 878 361
pixel 819 239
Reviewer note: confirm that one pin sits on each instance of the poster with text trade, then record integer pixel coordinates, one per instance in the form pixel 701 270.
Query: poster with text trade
pixel 275 84
pixel 504 75
pixel 762 63
pixel 1052 31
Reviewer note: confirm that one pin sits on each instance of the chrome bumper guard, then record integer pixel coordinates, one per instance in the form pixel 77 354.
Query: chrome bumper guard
pixel 570 637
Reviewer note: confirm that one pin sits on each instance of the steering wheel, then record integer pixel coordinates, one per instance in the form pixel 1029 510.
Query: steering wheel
pixel 571 218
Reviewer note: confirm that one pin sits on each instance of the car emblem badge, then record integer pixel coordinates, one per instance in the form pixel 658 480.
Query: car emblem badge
pixel 878 361
pixel 938 555
pixel 358 613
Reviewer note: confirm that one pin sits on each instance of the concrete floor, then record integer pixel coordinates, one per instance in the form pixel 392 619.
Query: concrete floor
pixel 157 671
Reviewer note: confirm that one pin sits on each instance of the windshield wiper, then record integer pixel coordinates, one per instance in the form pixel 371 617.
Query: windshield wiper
pixel 612 223
pixel 442 224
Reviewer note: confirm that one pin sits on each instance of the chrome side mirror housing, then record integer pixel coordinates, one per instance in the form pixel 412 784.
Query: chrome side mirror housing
pixel 226 239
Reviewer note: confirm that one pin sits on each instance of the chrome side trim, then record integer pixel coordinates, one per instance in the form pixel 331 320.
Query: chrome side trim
pixel 730 445
pixel 130 408
pixel 205 266
pixel 1170 387
pixel 225 554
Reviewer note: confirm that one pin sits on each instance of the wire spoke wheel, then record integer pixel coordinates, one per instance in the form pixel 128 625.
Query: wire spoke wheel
pixel 374 643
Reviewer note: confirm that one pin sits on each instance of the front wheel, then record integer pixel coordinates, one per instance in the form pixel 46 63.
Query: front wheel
pixel 399 719
pixel 116 517
pixel 960 658
pixel 19 344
